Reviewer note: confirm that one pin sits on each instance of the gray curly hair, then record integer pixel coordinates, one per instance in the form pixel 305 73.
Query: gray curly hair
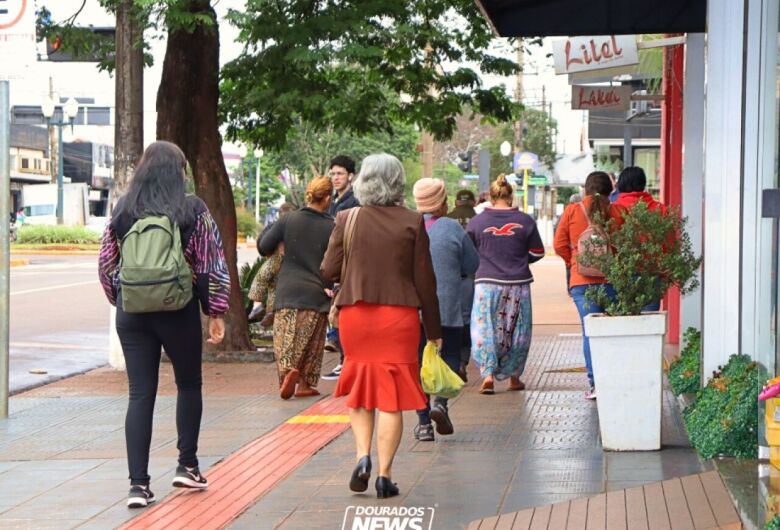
pixel 381 181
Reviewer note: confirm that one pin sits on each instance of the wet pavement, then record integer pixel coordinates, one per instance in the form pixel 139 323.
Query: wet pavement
pixel 62 461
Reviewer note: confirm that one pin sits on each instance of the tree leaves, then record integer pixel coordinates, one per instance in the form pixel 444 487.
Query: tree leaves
pixel 651 252
pixel 359 65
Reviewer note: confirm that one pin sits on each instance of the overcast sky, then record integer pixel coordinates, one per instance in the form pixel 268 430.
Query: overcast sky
pixel 72 79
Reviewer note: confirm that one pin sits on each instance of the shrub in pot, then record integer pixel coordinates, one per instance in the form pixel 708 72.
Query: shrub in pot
pixel 650 253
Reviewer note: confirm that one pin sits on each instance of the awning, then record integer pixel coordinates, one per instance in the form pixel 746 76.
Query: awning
pixel 549 18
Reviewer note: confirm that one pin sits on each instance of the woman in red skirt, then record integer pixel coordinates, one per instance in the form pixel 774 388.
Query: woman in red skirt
pixel 388 278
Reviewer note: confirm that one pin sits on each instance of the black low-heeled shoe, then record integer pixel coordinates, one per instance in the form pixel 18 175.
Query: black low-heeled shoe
pixel 385 488
pixel 361 474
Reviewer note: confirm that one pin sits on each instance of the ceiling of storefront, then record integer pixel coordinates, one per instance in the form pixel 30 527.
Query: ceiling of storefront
pixel 547 18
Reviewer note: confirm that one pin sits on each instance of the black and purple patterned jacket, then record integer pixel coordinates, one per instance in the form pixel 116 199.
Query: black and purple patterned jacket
pixel 202 249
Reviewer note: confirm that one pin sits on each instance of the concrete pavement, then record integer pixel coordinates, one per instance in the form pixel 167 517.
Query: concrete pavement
pixel 62 457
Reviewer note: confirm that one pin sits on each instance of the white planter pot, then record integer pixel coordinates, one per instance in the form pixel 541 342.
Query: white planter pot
pixel 627 357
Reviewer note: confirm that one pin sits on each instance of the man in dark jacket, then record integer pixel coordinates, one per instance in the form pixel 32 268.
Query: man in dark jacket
pixel 464 207
pixel 342 173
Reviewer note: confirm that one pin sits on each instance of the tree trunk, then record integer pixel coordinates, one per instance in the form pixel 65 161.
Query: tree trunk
pixel 187 116
pixel 128 127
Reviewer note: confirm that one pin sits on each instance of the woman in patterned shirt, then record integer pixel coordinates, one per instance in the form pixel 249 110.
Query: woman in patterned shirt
pixel 157 189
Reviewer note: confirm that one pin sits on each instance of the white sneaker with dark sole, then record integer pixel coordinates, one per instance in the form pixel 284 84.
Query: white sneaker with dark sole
pixel 189 477
pixel 140 497
pixel 333 375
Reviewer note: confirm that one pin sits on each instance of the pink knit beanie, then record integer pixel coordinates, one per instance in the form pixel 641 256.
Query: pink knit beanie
pixel 429 194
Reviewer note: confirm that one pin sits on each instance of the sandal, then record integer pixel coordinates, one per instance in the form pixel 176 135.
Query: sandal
pixel 307 393
pixel 517 387
pixel 487 388
pixel 288 385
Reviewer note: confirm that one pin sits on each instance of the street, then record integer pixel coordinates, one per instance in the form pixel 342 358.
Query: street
pixel 59 319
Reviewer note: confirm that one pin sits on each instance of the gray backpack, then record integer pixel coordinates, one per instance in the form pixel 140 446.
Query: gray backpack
pixel 153 273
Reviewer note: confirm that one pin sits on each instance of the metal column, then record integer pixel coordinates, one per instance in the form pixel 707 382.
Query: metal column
pixel 5 251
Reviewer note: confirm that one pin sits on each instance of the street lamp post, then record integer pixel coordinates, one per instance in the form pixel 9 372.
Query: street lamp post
pixel 69 112
pixel 243 151
pixel 258 155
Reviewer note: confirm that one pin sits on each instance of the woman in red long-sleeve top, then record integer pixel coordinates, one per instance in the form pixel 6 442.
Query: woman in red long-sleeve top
pixel 574 221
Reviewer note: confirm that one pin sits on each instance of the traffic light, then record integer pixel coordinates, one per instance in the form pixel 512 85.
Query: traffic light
pixel 465 166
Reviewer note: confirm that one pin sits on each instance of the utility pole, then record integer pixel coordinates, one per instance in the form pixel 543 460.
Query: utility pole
pixel 519 97
pixel 53 141
pixel 5 249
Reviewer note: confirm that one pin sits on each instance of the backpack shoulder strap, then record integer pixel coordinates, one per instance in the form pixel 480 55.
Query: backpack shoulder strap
pixel 585 211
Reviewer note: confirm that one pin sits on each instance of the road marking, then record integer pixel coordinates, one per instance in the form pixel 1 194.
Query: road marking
pixel 54 346
pixel 52 287
pixel 301 418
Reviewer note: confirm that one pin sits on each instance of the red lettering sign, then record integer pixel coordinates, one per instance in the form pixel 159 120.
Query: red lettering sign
pixel 577 54
pixel 607 98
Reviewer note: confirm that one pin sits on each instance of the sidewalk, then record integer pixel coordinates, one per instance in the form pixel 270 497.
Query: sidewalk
pixel 62 460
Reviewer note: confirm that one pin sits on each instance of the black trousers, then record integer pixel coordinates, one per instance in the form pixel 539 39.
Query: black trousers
pixel 142 336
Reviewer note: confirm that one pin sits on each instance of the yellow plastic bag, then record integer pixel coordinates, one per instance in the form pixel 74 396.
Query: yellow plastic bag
pixel 438 378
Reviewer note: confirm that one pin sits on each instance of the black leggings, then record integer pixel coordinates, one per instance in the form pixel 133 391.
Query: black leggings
pixel 142 335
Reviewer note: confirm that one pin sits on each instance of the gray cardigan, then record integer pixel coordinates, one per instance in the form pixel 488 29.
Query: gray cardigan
pixel 454 257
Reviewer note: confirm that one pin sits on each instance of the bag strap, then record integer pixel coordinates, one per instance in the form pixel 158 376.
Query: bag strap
pixel 585 211
pixel 349 231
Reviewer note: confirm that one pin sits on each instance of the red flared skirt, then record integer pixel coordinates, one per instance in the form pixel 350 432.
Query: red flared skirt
pixel 381 370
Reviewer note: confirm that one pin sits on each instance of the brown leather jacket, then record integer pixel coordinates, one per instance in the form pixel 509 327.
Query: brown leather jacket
pixel 389 262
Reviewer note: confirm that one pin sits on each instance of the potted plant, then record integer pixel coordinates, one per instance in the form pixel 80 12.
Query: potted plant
pixel 650 253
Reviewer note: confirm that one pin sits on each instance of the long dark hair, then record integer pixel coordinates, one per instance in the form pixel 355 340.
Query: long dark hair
pixel 598 185
pixel 158 187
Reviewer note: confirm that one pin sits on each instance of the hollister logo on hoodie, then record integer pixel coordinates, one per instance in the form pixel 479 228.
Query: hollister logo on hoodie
pixel 506 230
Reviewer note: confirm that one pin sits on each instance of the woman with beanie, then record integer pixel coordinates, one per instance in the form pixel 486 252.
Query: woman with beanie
pixel 454 258
pixel 507 241
pixel 388 278
pixel 594 208
pixel 302 304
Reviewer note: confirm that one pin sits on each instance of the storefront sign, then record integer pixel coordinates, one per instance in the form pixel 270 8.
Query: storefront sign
pixel 600 97
pixel 17 37
pixel 581 54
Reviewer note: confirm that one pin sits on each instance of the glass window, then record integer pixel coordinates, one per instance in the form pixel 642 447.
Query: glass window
pixel 39 209
pixel 649 159
pixel 25 163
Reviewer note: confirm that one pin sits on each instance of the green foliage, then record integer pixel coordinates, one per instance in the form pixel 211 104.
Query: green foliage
pixel 651 253
pixel 311 148
pixel 684 374
pixel 565 193
pixel 43 235
pixel 724 418
pixel 245 223
pixel 246 275
pixel 773 524
pixel 604 162
pixel 346 64
pixel 540 129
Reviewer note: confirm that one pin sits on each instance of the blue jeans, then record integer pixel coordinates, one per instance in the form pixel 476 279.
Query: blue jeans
pixel 333 336
pixel 586 307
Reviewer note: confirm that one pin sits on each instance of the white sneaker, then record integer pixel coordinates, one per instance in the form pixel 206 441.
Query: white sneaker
pixel 333 375
pixel 591 394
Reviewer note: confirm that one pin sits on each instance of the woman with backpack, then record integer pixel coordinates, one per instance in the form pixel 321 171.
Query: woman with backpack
pixel 501 317
pixel 302 301
pixel 161 260
pixel 578 221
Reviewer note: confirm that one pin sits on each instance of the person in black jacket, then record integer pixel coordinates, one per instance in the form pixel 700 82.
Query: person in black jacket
pixel 342 173
pixel 302 303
